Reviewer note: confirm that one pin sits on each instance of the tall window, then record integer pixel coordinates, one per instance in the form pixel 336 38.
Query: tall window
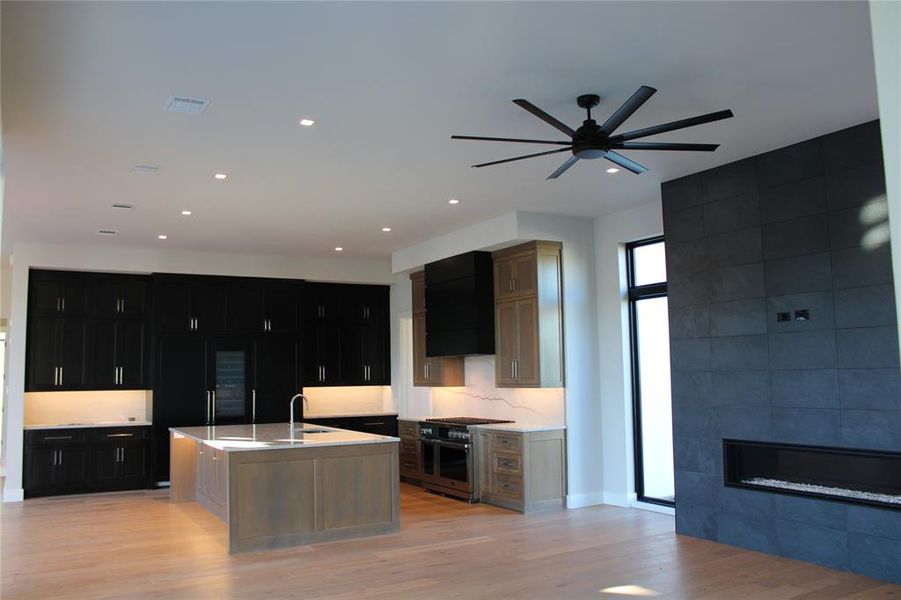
pixel 652 405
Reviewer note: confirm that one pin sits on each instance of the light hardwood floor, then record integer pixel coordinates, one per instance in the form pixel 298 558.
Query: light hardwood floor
pixel 139 545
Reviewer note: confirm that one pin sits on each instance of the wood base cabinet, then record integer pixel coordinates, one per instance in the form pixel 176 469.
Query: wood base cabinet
pixel 529 315
pixel 72 461
pixel 522 471
pixel 410 452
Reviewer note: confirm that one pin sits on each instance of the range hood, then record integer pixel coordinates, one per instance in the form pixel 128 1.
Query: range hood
pixel 459 302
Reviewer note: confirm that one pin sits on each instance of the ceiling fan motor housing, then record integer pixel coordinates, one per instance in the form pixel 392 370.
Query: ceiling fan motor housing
pixel 589 142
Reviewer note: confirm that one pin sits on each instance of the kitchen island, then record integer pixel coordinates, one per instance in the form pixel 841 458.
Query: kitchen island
pixel 275 485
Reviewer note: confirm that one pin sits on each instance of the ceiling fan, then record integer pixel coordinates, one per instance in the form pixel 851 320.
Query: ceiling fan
pixel 597 141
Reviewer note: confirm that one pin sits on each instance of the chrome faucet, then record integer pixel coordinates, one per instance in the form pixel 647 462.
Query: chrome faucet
pixel 306 402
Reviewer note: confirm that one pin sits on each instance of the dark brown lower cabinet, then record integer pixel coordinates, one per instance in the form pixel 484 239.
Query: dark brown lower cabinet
pixel 71 461
pixel 377 424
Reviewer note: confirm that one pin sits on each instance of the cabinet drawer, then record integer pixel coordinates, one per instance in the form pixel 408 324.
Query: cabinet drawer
pixel 408 446
pixel 120 434
pixel 511 487
pixel 55 437
pixel 507 464
pixel 409 429
pixel 409 464
pixel 507 442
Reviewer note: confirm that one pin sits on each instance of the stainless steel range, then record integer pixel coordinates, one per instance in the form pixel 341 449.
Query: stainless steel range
pixel 448 457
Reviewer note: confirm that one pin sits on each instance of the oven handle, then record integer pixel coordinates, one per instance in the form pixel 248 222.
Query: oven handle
pixel 447 444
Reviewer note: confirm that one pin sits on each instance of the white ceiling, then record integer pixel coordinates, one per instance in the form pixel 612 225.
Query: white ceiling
pixel 84 84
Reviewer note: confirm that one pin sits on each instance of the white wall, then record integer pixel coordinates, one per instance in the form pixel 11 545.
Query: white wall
pixel 885 21
pixel 611 233
pixel 143 260
pixel 581 406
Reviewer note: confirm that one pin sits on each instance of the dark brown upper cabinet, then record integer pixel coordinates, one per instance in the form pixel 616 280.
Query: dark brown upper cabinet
pixel 189 304
pixel 58 293
pixel 262 306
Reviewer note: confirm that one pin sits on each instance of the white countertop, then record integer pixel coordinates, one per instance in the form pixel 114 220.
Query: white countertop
pixel 278 436
pixel 85 425
pixel 346 414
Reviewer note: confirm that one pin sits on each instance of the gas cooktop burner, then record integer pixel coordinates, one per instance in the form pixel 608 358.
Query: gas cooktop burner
pixel 466 420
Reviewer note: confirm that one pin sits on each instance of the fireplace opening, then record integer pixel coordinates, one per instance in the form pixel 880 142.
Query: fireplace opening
pixel 869 477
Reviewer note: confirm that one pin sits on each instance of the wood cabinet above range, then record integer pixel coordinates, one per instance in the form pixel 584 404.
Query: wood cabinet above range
pixel 430 371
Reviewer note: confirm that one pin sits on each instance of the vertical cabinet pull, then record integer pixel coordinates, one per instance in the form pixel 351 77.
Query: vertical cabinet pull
pixel 253 407
pixel 213 411
pixel 59 307
pixel 208 407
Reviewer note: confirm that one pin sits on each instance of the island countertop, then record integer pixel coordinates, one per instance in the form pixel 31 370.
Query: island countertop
pixel 277 436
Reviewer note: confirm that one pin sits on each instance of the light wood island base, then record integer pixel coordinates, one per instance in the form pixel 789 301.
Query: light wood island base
pixel 278 497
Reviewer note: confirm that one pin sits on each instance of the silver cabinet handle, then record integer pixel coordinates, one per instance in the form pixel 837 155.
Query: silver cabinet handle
pixel 323 373
pixel 264 325
pixel 58 437
pixel 374 423
pixel 208 407
pixel 59 308
pixel 53 458
pixel 112 435
pixel 60 375
pixel 121 375
pixel 60 453
pixel 253 395
pixel 123 305
pixel 214 406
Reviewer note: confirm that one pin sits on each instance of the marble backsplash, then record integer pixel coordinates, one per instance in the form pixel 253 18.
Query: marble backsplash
pixel 481 398
pixel 57 408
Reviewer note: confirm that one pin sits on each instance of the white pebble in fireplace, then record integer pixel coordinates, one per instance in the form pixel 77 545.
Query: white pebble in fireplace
pixel 822 489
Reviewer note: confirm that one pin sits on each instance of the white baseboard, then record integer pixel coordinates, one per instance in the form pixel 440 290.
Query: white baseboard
pixel 13 495
pixel 650 506
pixel 616 499
pixel 581 500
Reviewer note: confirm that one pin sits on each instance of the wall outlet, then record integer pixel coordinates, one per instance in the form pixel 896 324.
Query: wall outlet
pixel 802 315
pixel 782 317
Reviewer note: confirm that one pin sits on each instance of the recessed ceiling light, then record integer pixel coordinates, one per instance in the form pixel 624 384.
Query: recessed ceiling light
pixel 220 175
pixel 186 213
pixel 123 206
pixel 107 232
pixel 306 122
pixel 339 249
pixel 163 236
pixel 612 170
pixel 386 229
pixel 453 201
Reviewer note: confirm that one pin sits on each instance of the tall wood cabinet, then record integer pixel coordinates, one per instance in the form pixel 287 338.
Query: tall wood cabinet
pixel 430 371
pixel 529 315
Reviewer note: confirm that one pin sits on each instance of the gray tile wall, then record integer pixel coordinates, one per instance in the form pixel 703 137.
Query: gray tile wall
pixel 802 227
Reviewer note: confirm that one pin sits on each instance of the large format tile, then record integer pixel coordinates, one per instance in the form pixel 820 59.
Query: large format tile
pixel 802 350
pixel 696 520
pixel 689 321
pixel 807 273
pixel 681 193
pixel 813 388
pixel 791 163
pixel 817 426
pixel 736 282
pixel 736 248
pixel 741 388
pixel 729 180
pixel 683 225
pixel 738 317
pixel 851 147
pixel 823 513
pixel 807 235
pixel 875 556
pixel 690 354
pixel 739 352
pixel 819 305
pixel 855 186
pixel 731 214
pixel 869 306
pixel 856 267
pixel 859 226
pixel 820 545
pixel 878 389
pixel 867 347
pixel 873 429
pixel 754 532
pixel 792 200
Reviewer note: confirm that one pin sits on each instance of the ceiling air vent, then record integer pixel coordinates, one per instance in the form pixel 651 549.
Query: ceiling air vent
pixel 123 206
pixel 145 169
pixel 183 104
pixel 107 232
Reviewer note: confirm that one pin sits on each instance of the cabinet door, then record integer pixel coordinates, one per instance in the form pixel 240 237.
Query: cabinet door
pixel 322 353
pixel 515 277
pixel 107 299
pixel 40 464
pixel 280 308
pixel 507 342
pixel 275 378
pixel 73 352
pixel 44 295
pixel 245 308
pixel 210 301
pixel 172 307
pixel 353 368
pixel 527 372
pixel 72 466
pixel 322 301
pixel 503 278
pixel 420 370
pixel 133 462
pixel 375 353
pixel 76 294
pixel 104 362
pixel 418 283
pixel 180 397
pixel 134 295
pixel 43 354
pixel 131 351
pixel 105 461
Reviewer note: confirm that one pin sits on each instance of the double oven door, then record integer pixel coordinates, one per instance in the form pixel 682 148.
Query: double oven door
pixel 447 467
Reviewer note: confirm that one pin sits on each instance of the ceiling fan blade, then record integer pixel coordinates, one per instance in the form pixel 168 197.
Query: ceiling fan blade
pixel 497 139
pixel 525 104
pixel 625 111
pixel 562 168
pixel 625 162
pixel 506 160
pixel 664 146
pixel 640 133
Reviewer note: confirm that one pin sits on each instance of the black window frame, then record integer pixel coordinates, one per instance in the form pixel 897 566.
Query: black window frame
pixel 635 294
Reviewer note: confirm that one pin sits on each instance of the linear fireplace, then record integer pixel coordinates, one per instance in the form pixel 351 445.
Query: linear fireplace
pixel 855 476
